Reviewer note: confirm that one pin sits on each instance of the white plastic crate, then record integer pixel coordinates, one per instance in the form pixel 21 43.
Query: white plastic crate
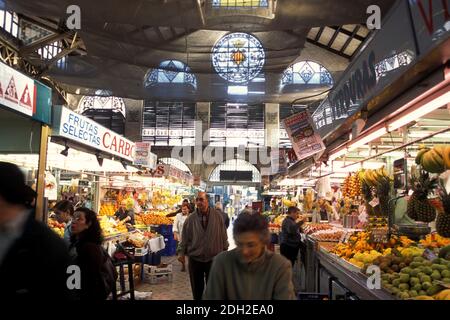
pixel 156 270
pixel 158 278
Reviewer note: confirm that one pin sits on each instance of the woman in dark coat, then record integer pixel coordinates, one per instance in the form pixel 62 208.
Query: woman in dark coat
pixel 89 255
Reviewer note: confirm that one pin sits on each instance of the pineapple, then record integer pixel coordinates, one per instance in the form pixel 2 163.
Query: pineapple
pixel 418 207
pixel 383 191
pixel 443 218
pixel 366 192
pixel 411 208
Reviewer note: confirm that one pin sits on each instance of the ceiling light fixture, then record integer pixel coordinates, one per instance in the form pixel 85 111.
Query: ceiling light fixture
pixel 424 107
pixel 65 152
pixel 124 164
pixel 366 139
pixel 416 111
pixel 99 159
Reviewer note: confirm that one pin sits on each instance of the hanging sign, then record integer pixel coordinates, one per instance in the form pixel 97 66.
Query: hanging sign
pixel 305 140
pixel 431 19
pixel 143 156
pixel 17 91
pixel 81 129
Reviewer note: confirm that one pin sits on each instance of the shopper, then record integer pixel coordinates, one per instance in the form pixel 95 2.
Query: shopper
pixel 192 204
pixel 290 238
pixel 247 210
pixel 173 214
pixel 30 203
pixel 250 272
pixel 204 236
pixel 178 230
pixel 225 217
pixel 33 259
pixel 97 280
pixel 64 214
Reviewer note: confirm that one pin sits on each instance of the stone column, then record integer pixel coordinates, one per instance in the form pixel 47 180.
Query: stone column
pixel 202 124
pixel 133 121
pixel 272 124
pixel 272 137
pixel 203 115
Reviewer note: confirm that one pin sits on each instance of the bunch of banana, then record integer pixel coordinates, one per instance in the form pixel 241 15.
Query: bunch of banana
pixel 289 203
pixel 434 160
pixel 374 177
pixel 361 176
pixel 443 295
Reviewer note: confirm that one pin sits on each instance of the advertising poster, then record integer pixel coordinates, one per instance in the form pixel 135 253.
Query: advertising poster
pixel 305 140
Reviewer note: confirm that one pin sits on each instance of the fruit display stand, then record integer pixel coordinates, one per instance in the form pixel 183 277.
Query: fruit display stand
pixel 342 280
pixel 409 269
pixel 57 227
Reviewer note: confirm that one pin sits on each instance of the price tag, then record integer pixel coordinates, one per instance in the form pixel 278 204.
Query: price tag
pixel 429 255
pixel 374 202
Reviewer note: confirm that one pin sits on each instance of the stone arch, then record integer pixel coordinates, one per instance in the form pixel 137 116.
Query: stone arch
pixel 235 165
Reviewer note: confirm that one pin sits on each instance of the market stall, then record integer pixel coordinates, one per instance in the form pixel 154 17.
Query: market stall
pixel 25 117
pixel 407 237
pixel 158 192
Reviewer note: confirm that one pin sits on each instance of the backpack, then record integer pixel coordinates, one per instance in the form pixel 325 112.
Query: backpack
pixel 109 273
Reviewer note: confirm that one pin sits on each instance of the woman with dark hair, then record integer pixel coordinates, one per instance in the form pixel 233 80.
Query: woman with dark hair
pixel 250 272
pixel 64 213
pixel 90 257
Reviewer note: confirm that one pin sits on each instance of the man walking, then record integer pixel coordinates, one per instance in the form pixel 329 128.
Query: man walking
pixel 204 237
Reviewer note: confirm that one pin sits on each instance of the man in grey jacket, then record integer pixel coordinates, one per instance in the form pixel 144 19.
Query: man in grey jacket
pixel 204 237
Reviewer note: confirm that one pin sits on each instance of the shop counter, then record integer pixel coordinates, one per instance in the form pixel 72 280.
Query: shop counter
pixel 325 273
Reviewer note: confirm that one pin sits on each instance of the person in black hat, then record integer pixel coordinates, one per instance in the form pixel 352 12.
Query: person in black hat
pixel 33 259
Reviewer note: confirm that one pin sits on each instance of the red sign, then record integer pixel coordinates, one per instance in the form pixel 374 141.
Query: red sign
pixel 11 91
pixel 117 144
pixel 25 100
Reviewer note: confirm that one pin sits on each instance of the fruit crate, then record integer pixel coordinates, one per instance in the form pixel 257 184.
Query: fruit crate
pixel 154 258
pixel 162 269
pixel 159 274
pixel 171 247
pixel 165 229
pixel 158 278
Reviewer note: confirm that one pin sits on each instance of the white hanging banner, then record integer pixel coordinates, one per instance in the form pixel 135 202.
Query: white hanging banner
pixel 143 156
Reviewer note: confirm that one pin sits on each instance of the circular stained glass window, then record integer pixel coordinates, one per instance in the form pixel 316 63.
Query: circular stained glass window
pixel 238 57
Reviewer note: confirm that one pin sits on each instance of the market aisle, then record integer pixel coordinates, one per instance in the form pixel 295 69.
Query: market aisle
pixel 178 289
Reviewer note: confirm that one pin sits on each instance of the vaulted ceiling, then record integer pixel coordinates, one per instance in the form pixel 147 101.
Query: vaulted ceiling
pixel 120 41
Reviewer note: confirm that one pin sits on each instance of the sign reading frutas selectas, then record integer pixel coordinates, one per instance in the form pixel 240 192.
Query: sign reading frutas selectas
pixel 305 140
pixel 143 156
pixel 88 132
pixel 17 91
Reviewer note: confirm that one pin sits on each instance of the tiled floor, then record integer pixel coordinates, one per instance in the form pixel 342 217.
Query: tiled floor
pixel 178 289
